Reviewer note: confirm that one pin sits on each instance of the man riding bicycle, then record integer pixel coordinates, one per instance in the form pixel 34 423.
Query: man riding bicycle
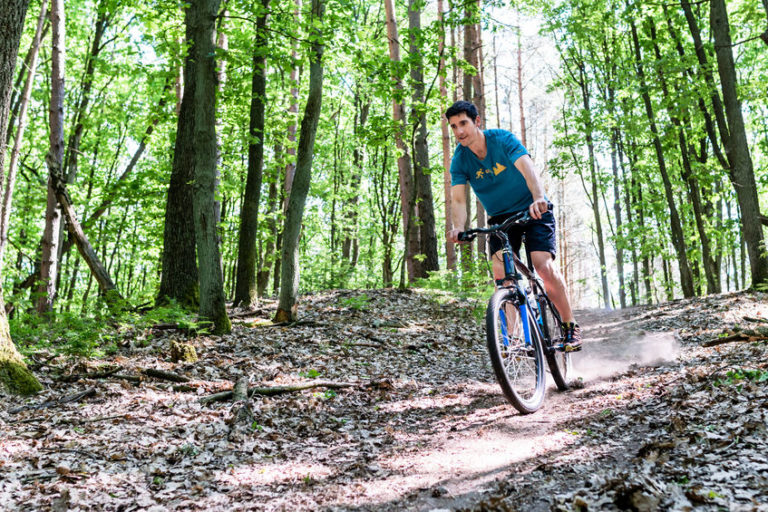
pixel 504 178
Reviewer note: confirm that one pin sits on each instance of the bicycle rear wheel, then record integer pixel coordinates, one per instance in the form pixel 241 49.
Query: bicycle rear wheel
pixel 558 359
pixel 517 362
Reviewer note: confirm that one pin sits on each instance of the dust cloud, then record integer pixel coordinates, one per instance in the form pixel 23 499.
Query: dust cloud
pixel 612 356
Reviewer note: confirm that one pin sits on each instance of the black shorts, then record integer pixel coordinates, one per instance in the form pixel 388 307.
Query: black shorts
pixel 539 234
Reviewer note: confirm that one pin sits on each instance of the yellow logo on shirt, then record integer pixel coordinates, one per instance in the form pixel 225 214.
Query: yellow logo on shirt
pixel 497 169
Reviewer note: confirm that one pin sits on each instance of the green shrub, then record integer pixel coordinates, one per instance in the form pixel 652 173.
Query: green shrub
pixel 91 336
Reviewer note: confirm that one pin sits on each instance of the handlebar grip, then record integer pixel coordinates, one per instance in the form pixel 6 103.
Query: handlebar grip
pixel 464 236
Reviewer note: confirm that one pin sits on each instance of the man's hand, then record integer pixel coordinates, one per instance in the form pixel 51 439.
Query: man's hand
pixel 453 236
pixel 538 208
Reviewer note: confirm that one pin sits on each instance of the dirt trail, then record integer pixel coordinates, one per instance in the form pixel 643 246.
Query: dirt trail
pixel 427 429
pixel 489 439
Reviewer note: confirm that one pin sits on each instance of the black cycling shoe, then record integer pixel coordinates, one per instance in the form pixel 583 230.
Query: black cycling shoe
pixel 572 341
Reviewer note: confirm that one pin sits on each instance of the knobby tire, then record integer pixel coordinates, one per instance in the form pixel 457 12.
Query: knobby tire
pixel 558 359
pixel 519 369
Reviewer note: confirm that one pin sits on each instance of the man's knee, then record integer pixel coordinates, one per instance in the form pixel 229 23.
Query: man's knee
pixel 547 271
pixel 545 265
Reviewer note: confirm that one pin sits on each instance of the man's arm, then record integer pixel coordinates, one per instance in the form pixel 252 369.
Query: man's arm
pixel 458 211
pixel 524 164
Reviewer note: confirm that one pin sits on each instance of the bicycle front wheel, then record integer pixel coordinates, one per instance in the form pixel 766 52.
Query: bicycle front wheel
pixel 516 356
pixel 558 359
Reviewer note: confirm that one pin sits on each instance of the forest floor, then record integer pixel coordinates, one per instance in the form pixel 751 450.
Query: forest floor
pixel 660 422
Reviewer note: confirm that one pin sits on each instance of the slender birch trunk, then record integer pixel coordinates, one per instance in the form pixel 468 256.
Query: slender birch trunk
pixel 10 181
pixel 450 248
pixel 287 308
pixel 50 255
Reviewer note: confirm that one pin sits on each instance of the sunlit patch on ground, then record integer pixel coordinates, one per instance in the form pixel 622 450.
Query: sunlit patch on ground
pixel 294 472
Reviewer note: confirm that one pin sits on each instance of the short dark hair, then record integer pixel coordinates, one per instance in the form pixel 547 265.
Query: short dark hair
pixel 462 106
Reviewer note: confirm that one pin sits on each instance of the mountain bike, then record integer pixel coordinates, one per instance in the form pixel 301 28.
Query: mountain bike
pixel 523 327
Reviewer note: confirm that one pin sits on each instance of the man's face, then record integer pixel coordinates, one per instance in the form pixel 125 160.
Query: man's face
pixel 464 128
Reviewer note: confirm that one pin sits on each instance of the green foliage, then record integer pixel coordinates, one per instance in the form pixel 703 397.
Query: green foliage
pixel 310 374
pixel 357 302
pixel 735 377
pixel 473 287
pixel 75 334
pixel 352 230
pixel 328 394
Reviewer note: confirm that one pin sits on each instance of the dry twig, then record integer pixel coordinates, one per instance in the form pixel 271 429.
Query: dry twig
pixel 164 375
pixel 278 390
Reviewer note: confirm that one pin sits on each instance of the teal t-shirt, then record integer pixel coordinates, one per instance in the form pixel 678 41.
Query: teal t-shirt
pixel 496 181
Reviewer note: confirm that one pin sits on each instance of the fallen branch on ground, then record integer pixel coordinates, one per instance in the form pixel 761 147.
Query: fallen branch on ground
pixel 278 390
pixel 298 323
pixel 246 314
pixel 130 378
pixel 240 391
pixel 164 375
pixel 52 403
pixel 96 375
pixel 726 339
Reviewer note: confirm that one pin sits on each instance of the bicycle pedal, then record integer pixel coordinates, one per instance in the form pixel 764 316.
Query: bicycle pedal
pixel 569 349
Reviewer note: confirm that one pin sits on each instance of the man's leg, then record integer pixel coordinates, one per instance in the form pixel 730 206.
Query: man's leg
pixel 514 327
pixel 554 283
pixel 497 265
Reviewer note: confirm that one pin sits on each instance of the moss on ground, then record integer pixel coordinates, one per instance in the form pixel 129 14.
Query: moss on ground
pixel 16 378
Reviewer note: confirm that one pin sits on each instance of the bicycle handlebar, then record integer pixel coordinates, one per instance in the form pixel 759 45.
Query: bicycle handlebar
pixel 520 218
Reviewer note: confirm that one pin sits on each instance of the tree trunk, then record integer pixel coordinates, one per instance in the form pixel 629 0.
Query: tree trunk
pixel 113 189
pixel 290 166
pixel 595 193
pixel 287 308
pixel 706 71
pixel 73 144
pixel 687 172
pixel 15 377
pixel 634 285
pixel 112 297
pixel 678 237
pixel 50 257
pixel 268 254
pixel 202 17
pixel 10 181
pixel 293 109
pixel 523 131
pixel 478 98
pixel 617 215
pixel 422 177
pixel 764 35
pixel 179 277
pixel 410 234
pixel 246 291
pixel 737 148
pixel 469 38
pixel 15 102
pixel 350 242
pixel 711 264
pixel 450 248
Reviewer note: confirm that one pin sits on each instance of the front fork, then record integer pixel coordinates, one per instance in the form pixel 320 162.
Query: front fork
pixel 523 312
